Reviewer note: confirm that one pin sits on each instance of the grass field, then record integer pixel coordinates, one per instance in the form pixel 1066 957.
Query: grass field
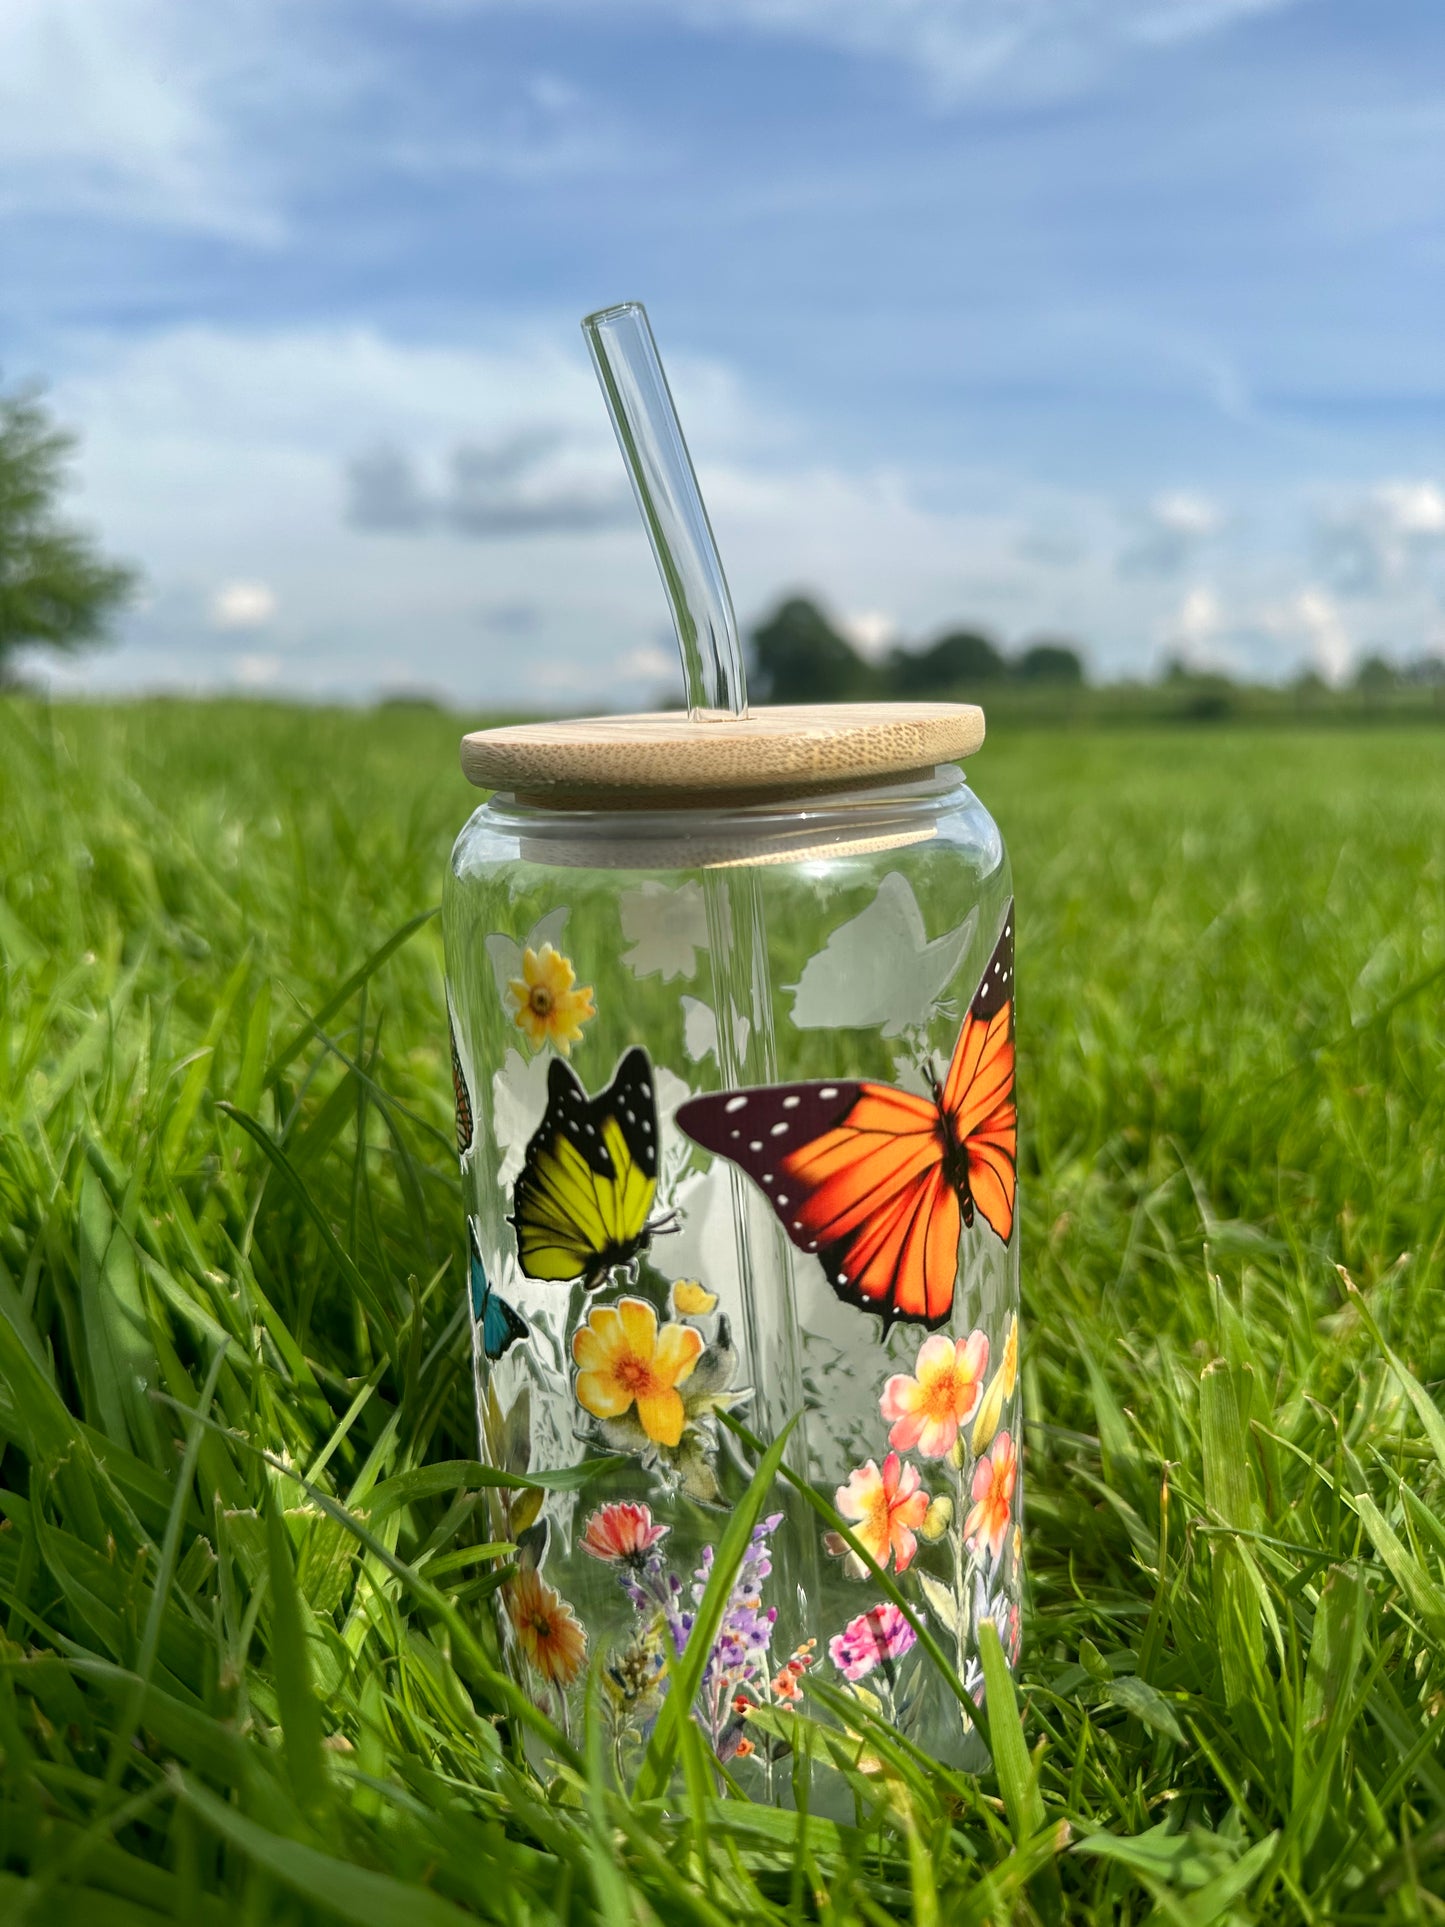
pixel 247 1672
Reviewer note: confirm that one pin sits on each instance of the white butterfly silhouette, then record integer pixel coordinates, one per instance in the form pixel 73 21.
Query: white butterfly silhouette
pixel 879 970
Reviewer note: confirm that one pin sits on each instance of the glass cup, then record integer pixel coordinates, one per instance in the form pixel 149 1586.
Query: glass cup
pixel 737 1132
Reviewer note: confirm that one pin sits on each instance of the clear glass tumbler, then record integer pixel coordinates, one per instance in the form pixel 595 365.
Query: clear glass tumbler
pixel 735 1111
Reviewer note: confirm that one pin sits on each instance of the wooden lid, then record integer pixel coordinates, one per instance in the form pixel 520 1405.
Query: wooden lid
pixel 771 753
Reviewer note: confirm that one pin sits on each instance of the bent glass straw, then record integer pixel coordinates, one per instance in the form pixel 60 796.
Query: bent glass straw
pixel 650 436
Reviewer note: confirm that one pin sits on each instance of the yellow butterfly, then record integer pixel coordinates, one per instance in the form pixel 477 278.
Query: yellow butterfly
pixel 581 1203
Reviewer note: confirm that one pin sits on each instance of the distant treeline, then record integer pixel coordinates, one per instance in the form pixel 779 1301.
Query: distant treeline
pixel 799 657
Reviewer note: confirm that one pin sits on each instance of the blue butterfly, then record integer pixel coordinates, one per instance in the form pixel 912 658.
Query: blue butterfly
pixel 501 1326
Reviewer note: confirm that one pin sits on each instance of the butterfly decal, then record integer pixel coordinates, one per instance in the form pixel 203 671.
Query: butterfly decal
pixel 465 1119
pixel 877 1181
pixel 501 1326
pixel 582 1200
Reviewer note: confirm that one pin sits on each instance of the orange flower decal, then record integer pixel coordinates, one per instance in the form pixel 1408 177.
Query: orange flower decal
pixel 927 1410
pixel 546 1628
pixel 994 1479
pixel 885 1509
pixel 544 1003
pixel 624 1360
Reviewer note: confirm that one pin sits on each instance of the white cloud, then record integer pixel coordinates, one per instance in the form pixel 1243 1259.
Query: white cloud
pixel 243 605
pixel 1385 538
pixel 959 46
pixel 1199 618
pixel 121 107
pixel 256 672
pixel 1191 515
pixel 1312 618
pixel 219 457
pixel 872 632
pixel 219 461
pixel 648 664
pixel 1170 533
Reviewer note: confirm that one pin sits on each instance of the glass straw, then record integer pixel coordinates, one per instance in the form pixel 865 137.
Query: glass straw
pixel 651 439
pixel 650 436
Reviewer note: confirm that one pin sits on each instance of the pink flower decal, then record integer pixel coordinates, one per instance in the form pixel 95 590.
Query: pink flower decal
pixel 885 1509
pixel 881 1634
pixel 927 1410
pixel 621 1532
pixel 994 1479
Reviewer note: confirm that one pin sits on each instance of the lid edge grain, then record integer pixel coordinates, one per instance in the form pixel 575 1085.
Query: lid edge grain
pixel 825 746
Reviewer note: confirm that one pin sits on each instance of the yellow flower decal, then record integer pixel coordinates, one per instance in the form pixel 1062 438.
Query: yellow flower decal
pixel 624 1359
pixel 544 1003
pixel 691 1300
pixel 938 1518
pixel 1009 1368
pixel 1000 1391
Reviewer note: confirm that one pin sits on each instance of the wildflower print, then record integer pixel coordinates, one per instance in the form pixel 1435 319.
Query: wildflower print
pixel 1000 1391
pixel 544 1004
pixel 993 1490
pixel 875 1638
pixel 635 1675
pixel 739 1655
pixel 927 1409
pixel 546 1628
pixel 624 1359
pixel 785 1686
pixel 1009 1368
pixel 622 1532
pixel 690 1300
pixel 885 1509
pixel 1002 1610
pixel 938 1518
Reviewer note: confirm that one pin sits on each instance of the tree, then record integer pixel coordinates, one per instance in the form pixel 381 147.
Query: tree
pixel 1376 677
pixel 1052 662
pixel 56 590
pixel 951 666
pixel 799 657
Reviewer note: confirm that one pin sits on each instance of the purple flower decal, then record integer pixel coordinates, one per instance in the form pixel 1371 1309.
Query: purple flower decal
pixel 739 1657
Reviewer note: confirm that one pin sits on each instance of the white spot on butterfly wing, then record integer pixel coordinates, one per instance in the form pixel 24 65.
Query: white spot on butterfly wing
pixel 735 1104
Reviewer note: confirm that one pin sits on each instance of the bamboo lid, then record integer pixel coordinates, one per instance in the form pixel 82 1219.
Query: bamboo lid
pixel 611 761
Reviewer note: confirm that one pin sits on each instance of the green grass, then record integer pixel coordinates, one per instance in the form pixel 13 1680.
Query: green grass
pixel 247 1671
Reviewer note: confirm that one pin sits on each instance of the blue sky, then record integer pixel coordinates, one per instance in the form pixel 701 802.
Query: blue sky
pixel 1117 319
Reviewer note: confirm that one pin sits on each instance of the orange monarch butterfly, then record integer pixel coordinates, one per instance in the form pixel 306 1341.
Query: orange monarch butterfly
pixel 877 1181
pixel 462 1094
